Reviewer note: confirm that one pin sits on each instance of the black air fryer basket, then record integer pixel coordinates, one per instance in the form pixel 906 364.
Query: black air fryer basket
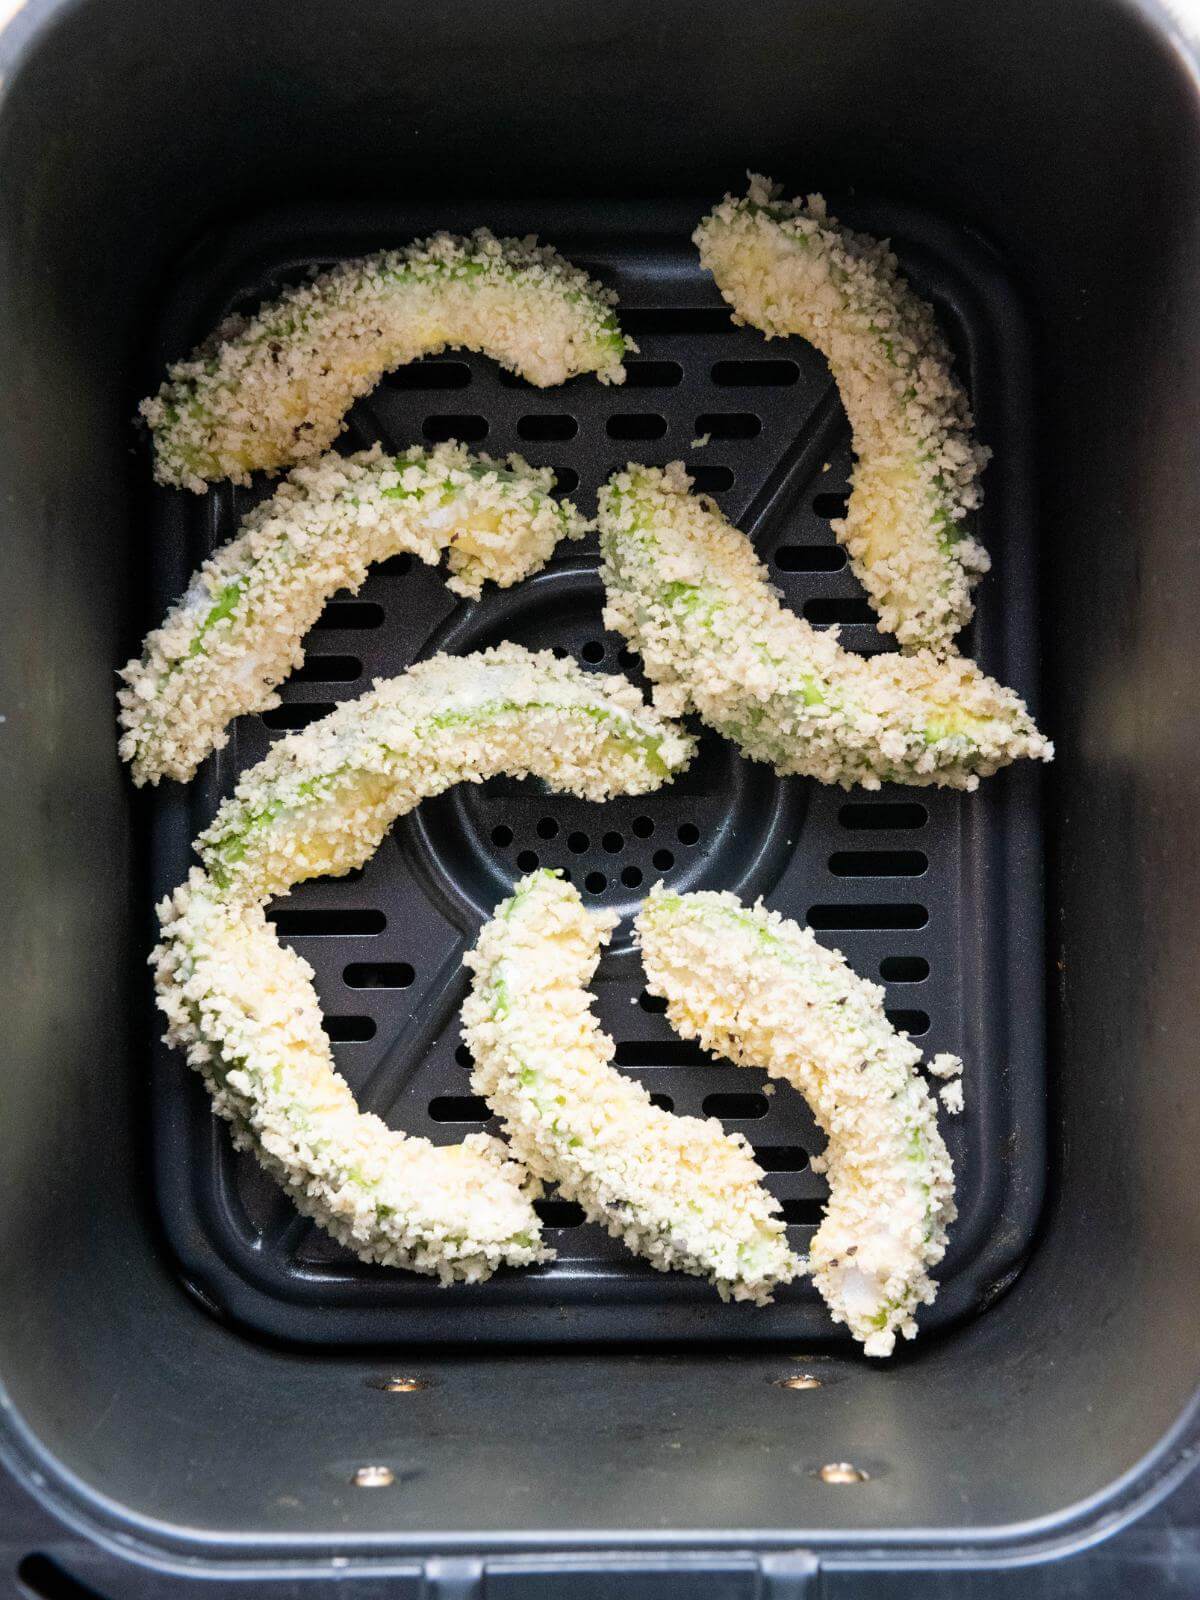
pixel 200 1388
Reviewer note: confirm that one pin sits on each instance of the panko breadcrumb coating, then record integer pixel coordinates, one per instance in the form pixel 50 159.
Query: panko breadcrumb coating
pixel 679 1191
pixel 687 590
pixel 754 987
pixel 273 389
pixel 787 267
pixel 238 629
pixel 322 800
pixel 244 1007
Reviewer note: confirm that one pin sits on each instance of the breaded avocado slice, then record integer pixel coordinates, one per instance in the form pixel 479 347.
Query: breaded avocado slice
pixel 687 590
pixel 759 989
pixel 273 389
pixel 244 1009
pixel 237 630
pixel 322 800
pixel 787 267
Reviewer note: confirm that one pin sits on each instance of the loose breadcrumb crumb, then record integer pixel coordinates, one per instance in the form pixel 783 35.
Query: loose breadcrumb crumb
pixel 688 592
pixel 951 1096
pixel 274 389
pixel 679 1191
pixel 759 989
pixel 787 267
pixel 944 1066
pixel 237 631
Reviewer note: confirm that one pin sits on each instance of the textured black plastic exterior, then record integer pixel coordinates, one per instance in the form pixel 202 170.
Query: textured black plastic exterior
pixel 942 889
pixel 149 1448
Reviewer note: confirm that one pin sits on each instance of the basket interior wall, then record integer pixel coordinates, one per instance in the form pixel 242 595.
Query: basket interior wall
pixel 1069 137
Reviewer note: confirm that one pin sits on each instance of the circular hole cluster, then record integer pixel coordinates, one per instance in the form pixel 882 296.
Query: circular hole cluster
pixel 614 842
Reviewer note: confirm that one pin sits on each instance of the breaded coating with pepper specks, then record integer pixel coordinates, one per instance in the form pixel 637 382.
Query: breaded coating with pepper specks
pixel 787 267
pixel 273 389
pixel 687 590
pixel 756 988
pixel 244 1007
pixel 238 629
pixel 679 1191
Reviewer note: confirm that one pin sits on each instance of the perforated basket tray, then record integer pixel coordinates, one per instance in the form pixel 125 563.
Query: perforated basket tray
pixel 936 894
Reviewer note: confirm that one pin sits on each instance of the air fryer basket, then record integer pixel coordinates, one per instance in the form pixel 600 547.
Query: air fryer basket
pixel 191 1379
pixel 937 893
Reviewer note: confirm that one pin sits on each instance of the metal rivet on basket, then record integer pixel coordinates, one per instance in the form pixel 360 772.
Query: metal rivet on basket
pixel 797 1380
pixel 398 1384
pixel 841 1472
pixel 373 1478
